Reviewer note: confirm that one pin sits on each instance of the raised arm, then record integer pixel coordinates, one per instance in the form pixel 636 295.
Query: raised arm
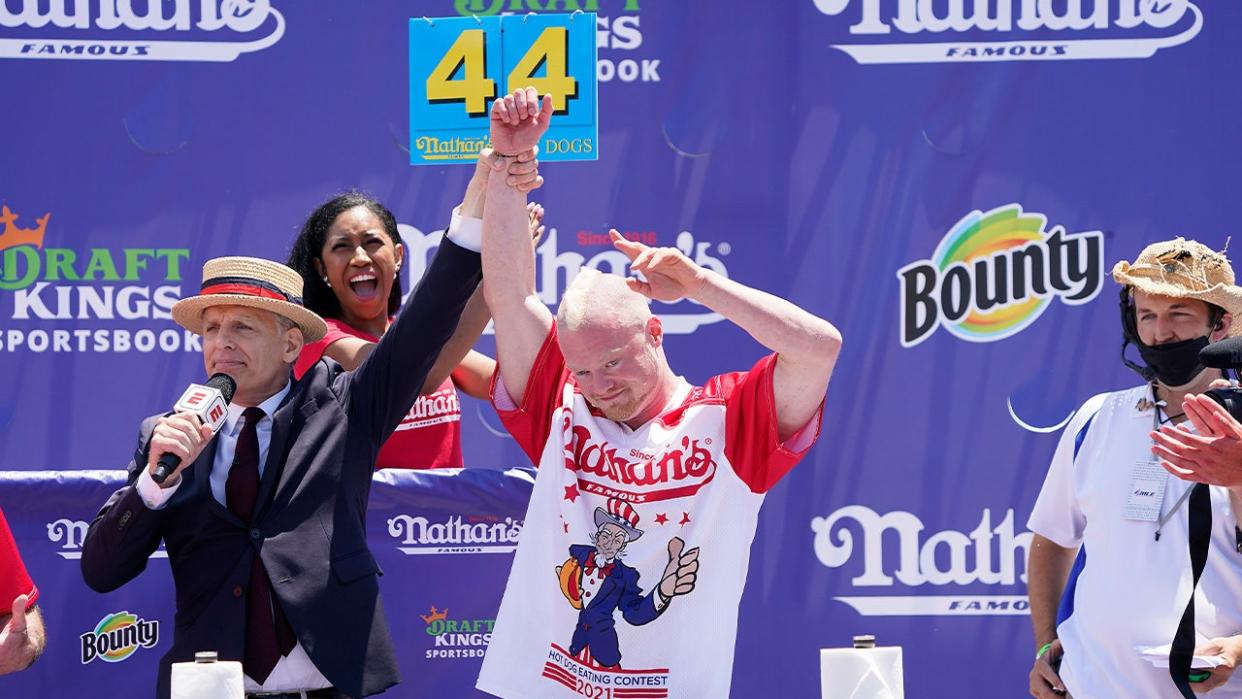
pixel 518 121
pixel 807 346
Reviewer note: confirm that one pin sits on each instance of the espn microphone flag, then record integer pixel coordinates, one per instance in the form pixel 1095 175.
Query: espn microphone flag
pixel 210 404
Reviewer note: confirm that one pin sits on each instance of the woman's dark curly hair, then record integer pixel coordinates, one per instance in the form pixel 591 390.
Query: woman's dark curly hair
pixel 309 245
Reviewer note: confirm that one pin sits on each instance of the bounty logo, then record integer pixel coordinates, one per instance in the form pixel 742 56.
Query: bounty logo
pixel 418 535
pixel 137 30
pixel 1025 30
pixel 995 273
pixel 988 555
pixel 117 636
pixel 456 638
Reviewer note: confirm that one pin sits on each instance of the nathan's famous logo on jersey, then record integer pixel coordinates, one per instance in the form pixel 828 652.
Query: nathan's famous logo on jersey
pixel 123 288
pixel 679 469
pixel 137 30
pixel 117 636
pixel 433 409
pixel 456 637
pixel 454 534
pixel 555 270
pixel 618 32
pixel 70 533
pixel 987 555
pixel 995 273
pixel 910 31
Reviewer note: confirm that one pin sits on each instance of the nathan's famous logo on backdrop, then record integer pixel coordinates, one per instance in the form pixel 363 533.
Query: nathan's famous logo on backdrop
pixel 987 555
pixel 555 270
pixel 454 534
pixel 619 35
pixel 137 30
pixel 110 290
pixel 995 273
pixel 923 31
pixel 70 533
pixel 117 636
pixel 454 637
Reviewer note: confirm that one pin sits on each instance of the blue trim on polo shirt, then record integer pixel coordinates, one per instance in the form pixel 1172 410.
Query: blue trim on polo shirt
pixel 1082 433
pixel 1066 608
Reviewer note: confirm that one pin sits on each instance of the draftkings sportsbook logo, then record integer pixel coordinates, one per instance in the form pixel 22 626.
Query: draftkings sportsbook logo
pixel 995 273
pixel 989 555
pixel 922 31
pixel 618 33
pixel 456 637
pixel 111 295
pixel 455 534
pixel 137 30
pixel 117 636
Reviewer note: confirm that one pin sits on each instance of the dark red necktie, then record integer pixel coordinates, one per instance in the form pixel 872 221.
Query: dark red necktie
pixel 268 634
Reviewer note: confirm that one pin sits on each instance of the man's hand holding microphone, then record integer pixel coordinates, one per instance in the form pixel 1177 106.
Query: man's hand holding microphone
pixel 178 439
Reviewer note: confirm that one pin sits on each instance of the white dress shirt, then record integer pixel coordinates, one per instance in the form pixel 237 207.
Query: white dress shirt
pixel 294 671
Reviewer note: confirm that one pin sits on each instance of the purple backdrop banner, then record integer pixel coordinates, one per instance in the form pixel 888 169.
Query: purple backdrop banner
pixel 946 182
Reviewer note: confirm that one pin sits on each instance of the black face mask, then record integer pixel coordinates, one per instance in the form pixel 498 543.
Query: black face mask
pixel 1173 363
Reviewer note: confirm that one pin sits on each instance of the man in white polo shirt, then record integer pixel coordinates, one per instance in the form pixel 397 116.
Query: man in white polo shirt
pixel 1113 560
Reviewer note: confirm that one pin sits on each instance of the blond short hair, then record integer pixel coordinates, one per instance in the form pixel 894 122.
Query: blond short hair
pixel 595 298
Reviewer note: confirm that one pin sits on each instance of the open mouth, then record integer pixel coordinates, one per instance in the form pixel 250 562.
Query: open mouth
pixel 364 286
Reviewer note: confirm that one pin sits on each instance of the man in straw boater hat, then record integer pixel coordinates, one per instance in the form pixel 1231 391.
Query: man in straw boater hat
pixel 264 524
pixel 1119 544
pixel 590 397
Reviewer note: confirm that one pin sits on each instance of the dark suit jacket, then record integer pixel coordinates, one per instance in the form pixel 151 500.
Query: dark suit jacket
pixel 309 524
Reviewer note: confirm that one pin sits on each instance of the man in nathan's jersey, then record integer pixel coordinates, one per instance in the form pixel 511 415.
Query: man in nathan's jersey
pixel 621 440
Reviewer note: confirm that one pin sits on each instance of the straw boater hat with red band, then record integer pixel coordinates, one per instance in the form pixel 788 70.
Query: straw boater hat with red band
pixel 252 282
pixel 1184 269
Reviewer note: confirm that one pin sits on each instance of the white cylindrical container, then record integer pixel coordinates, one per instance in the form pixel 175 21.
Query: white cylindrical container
pixel 207 678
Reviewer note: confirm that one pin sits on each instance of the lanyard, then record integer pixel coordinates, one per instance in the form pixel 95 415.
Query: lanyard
pixel 1156 422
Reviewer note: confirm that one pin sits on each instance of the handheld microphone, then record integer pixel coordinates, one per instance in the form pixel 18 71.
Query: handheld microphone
pixel 210 403
pixel 1226 354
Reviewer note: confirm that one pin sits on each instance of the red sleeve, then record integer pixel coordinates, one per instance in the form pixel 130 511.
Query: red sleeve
pixel 752 442
pixel 312 352
pixel 14 580
pixel 531 422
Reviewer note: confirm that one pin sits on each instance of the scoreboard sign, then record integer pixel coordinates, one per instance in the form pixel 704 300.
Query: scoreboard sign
pixel 460 65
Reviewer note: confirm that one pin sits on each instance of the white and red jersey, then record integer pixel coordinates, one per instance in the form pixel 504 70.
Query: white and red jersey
pixel 574 624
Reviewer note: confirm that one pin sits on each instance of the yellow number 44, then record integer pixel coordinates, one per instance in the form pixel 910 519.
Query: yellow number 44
pixel 550 51
pixel 474 87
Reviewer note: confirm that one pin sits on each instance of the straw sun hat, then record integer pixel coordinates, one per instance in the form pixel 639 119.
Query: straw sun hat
pixel 1181 268
pixel 252 282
